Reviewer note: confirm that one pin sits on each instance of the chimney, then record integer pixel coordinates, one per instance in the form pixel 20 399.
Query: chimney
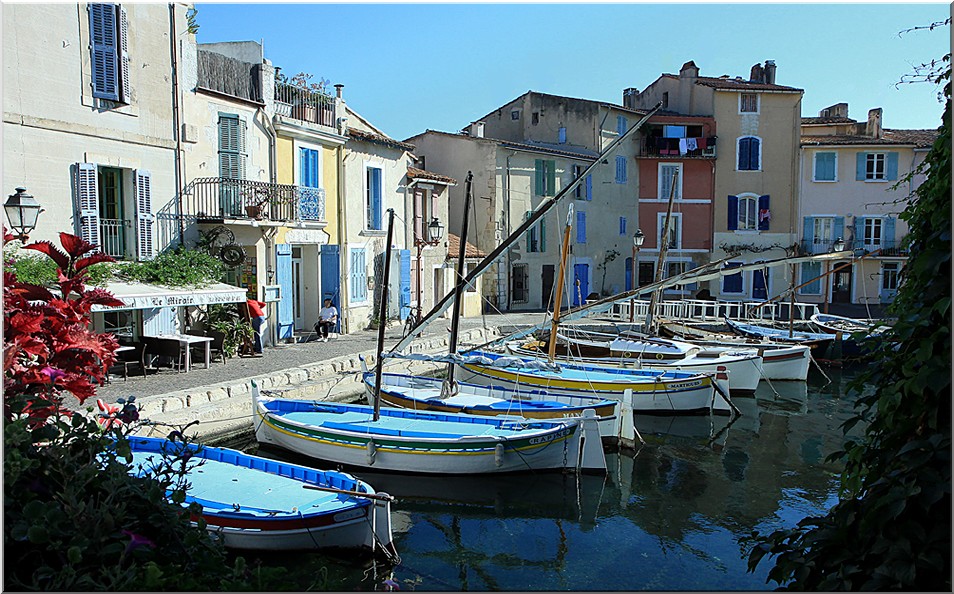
pixel 770 72
pixel 689 70
pixel 629 97
pixel 756 74
pixel 476 130
pixel 873 129
pixel 338 88
pixel 838 110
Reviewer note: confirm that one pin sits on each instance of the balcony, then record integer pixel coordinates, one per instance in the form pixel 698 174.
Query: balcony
pixel 217 199
pixel 112 237
pixel 888 248
pixel 298 103
pixel 668 148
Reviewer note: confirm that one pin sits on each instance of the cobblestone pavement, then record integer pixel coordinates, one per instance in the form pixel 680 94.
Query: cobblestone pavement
pixel 285 356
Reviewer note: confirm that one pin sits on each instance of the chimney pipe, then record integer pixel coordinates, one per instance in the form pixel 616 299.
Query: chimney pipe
pixel 477 130
pixel 770 72
pixel 873 129
pixel 629 97
pixel 338 88
pixel 756 74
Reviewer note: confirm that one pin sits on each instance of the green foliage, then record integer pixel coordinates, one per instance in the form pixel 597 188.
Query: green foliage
pixel 227 320
pixel 176 268
pixel 891 529
pixel 192 24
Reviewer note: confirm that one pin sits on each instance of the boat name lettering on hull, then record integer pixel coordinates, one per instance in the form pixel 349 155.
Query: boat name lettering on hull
pixel 551 437
pixel 685 385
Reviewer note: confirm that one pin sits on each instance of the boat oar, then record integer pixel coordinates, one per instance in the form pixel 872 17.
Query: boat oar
pixel 378 496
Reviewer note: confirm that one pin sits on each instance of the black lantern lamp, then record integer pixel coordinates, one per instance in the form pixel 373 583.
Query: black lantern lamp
pixel 434 231
pixel 22 212
pixel 638 238
pixel 839 245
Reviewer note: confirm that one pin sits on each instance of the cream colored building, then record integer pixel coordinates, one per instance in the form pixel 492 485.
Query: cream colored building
pixel 756 172
pixel 848 173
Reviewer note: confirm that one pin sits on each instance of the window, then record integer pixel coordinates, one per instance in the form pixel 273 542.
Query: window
pixel 359 276
pixel 748 103
pixel 470 287
pixel 519 290
pixel 124 325
pixel 872 232
pixel 747 213
pixel 109 52
pixel 621 169
pixel 621 125
pixel 732 283
pixel 675 230
pixel 581 226
pixel 515 114
pixel 810 271
pixel 622 225
pixel 112 220
pixel 373 198
pixel 674 131
pixel 562 135
pixel 750 157
pixel 232 160
pixel 424 208
pixel 666 173
pixel 826 164
pixel 877 167
pixel 535 118
pixel 823 230
pixel 584 190
pixel 104 207
pixel 545 173
pixel 536 235
pixel 665 100
pixel 311 199
pixel 677 268
pixel 889 276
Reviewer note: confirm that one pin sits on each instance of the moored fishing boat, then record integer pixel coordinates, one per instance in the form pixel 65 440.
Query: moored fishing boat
pixel 427 442
pixel 818 342
pixel 260 504
pixel 652 391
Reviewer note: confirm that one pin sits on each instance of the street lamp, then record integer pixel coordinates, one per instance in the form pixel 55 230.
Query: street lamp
pixel 22 211
pixel 638 239
pixel 435 231
pixel 839 244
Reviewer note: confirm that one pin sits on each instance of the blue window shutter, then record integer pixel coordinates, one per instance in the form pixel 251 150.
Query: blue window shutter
pixel 764 213
pixel 404 297
pixel 359 275
pixel 621 125
pixel 538 170
pixel 628 274
pixel 621 170
pixel 733 213
pixel 825 166
pixel 860 160
pixel 839 228
pixel 887 239
pixel 859 232
pixel 892 169
pixel 808 232
pixel 562 133
pixel 743 154
pixel 589 187
pixel 732 283
pixel 104 54
pixel 543 234
pixel 754 152
pixel 376 198
pixel 580 226
pixel 331 276
pixel 622 225
pixel 283 276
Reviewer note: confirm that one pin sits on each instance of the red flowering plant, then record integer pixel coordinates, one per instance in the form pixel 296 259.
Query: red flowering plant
pixel 48 345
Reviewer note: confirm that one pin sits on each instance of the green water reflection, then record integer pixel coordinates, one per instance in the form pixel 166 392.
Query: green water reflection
pixel 672 516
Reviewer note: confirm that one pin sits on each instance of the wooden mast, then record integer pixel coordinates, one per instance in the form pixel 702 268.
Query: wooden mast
pixel 558 299
pixel 663 248
pixel 449 387
pixel 383 317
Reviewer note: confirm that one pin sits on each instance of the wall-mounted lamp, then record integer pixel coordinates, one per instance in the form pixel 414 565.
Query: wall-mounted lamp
pixel 270 274
pixel 22 212
pixel 839 245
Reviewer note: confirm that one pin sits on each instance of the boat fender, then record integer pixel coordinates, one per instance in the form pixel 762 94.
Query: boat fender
pixel 498 454
pixel 372 452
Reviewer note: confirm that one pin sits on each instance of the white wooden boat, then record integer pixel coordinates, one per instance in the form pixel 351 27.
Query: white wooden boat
pixel 427 442
pixel 662 354
pixel 779 361
pixel 818 342
pixel 429 393
pixel 648 391
pixel 833 324
pixel 260 504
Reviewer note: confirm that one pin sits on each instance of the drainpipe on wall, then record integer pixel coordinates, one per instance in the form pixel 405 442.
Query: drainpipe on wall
pixel 343 259
pixel 272 142
pixel 506 211
pixel 177 159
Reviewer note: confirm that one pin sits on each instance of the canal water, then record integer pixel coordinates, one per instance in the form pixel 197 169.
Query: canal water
pixel 671 516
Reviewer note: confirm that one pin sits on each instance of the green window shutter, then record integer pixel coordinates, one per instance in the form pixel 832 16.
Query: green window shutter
pixel 540 173
pixel 526 217
pixel 543 234
pixel 892 166
pixel 860 160
pixel 551 177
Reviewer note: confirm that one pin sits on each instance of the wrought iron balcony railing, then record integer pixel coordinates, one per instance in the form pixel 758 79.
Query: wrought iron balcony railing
pixel 670 147
pixel 299 103
pixel 112 237
pixel 218 199
pixel 888 248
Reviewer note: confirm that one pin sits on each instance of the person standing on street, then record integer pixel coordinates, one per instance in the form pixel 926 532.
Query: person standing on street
pixel 327 320
pixel 256 313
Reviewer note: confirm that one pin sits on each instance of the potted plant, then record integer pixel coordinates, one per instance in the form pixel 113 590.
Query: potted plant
pixel 304 95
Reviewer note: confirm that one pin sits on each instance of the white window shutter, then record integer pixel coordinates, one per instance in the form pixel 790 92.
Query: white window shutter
pixel 144 216
pixel 87 202
pixel 123 45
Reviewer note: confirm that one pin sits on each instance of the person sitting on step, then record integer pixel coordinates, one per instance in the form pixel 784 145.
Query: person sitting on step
pixel 327 320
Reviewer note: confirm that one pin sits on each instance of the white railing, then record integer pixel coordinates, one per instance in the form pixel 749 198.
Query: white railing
pixel 714 311
pixel 112 237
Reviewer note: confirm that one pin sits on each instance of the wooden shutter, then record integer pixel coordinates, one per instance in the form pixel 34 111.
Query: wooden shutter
pixel 359 276
pixel 755 150
pixel 87 202
pixel 144 216
pixel 589 187
pixel 887 233
pixel 375 189
pixel 733 213
pixel 892 166
pixel 284 278
pixel 123 32
pixel 621 170
pixel 743 154
pixel 808 231
pixel 105 59
pixel 621 125
pixel 231 147
pixel 527 236
pixel 543 234
pixel 539 175
pixel 419 230
pixel 838 229
pixel 580 226
pixel 860 166
pixel 764 216
pixel 562 135
pixel 550 167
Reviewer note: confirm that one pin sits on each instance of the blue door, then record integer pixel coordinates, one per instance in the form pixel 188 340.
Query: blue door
pixel 330 277
pixel 581 283
pixel 759 285
pixel 629 274
pixel 283 274
pixel 404 294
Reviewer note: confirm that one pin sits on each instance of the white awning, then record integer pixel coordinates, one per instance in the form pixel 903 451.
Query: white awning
pixel 143 296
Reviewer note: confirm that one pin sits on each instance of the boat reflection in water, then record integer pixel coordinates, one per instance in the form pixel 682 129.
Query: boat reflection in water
pixel 672 515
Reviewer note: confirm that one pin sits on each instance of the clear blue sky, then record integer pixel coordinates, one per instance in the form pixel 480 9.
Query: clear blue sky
pixel 412 67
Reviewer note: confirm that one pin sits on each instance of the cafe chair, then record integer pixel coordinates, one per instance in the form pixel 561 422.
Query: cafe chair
pixel 158 348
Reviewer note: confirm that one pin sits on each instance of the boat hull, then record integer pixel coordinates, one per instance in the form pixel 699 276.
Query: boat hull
pixel 253 503
pixel 431 443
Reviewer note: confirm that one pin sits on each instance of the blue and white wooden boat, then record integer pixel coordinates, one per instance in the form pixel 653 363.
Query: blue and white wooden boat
pixel 647 391
pixel 260 504
pixel 427 442
pixel 817 341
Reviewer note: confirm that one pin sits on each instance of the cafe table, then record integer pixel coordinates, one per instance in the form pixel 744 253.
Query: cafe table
pixel 187 340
